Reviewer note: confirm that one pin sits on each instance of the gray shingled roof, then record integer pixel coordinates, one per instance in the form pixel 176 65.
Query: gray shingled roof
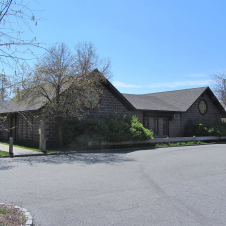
pixel 11 106
pixel 175 101
pixel 178 100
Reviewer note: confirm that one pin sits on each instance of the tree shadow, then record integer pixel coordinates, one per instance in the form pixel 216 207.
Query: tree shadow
pixel 5 166
pixel 86 159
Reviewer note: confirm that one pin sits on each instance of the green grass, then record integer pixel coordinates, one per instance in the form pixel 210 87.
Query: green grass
pixel 161 145
pixel 200 142
pixel 190 143
pixel 3 153
pixel 183 143
pixel 179 144
pixel 174 144
pixel 4 211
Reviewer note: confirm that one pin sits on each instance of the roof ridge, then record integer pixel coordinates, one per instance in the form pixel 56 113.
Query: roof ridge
pixel 179 90
pixel 167 91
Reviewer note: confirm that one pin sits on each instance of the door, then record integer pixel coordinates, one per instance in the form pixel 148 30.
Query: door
pixel 165 127
pixel 156 126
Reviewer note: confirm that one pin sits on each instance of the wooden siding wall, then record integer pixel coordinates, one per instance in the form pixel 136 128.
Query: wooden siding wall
pixel 25 127
pixel 212 114
pixel 109 104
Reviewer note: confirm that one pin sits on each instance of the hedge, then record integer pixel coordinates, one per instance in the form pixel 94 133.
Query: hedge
pixel 113 129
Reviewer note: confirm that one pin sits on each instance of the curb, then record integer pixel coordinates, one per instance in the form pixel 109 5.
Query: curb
pixel 80 152
pixel 29 221
pixel 99 151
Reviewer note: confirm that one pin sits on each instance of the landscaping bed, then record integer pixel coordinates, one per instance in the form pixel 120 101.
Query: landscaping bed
pixel 11 216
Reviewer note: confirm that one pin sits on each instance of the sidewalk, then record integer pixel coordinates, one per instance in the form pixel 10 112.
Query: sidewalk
pixel 18 151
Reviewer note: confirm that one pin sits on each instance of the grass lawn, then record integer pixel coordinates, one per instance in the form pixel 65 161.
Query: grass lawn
pixel 4 153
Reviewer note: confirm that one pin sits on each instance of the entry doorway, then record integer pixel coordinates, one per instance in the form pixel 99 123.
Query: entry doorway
pixel 165 127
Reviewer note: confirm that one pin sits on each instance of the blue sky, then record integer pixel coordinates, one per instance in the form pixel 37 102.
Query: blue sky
pixel 154 46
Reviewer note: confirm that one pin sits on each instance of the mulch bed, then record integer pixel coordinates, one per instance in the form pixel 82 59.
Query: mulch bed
pixel 10 216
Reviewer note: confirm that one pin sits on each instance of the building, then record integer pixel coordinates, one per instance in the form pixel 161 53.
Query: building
pixel 165 113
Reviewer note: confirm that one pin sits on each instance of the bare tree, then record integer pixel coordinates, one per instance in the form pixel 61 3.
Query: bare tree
pixel 87 59
pixel 219 82
pixel 64 84
pixel 5 87
pixel 15 20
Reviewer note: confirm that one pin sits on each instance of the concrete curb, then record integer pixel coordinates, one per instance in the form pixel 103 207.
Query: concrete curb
pixel 99 151
pixel 29 221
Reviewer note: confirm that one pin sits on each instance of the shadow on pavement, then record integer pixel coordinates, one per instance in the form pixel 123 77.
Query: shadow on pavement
pixel 88 158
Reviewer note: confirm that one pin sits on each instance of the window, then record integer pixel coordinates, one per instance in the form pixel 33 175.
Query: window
pixel 156 126
pixel 146 123
pixel 202 107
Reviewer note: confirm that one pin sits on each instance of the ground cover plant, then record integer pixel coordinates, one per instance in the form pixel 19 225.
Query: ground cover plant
pixel 179 144
pixel 10 216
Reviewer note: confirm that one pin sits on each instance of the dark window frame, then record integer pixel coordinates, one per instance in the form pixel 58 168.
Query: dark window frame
pixel 146 122
pixel 156 129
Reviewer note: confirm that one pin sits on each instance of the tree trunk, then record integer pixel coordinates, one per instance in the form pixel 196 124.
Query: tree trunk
pixel 60 134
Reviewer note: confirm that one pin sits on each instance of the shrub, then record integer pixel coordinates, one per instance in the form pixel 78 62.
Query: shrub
pixel 118 128
pixel 138 132
pixel 71 129
pixel 113 129
pixel 203 128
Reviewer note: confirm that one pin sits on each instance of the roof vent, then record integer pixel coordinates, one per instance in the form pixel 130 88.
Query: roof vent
pixel 176 116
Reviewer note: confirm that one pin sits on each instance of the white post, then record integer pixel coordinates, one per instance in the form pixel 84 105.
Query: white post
pixel 44 144
pixel 40 135
pixel 42 139
pixel 11 146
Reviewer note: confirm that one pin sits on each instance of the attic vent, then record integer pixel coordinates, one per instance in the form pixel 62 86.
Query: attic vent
pixel 176 116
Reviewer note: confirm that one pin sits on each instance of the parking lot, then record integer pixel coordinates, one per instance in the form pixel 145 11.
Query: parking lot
pixel 163 186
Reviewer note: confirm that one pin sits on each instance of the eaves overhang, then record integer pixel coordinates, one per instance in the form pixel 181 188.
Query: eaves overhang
pixel 118 96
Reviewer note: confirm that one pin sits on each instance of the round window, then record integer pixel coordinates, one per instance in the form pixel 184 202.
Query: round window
pixel 202 107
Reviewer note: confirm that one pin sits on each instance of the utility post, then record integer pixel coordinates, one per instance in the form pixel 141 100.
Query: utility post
pixel 42 139
pixel 11 147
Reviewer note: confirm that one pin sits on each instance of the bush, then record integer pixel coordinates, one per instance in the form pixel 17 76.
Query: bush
pixel 203 128
pixel 71 129
pixel 138 132
pixel 113 129
pixel 118 128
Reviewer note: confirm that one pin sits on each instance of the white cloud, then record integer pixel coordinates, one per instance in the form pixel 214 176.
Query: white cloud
pixel 178 84
pixel 124 85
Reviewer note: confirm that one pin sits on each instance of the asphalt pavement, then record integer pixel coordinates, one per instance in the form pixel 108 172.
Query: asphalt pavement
pixel 165 186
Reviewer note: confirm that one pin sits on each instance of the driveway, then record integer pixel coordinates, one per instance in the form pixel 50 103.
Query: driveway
pixel 165 186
